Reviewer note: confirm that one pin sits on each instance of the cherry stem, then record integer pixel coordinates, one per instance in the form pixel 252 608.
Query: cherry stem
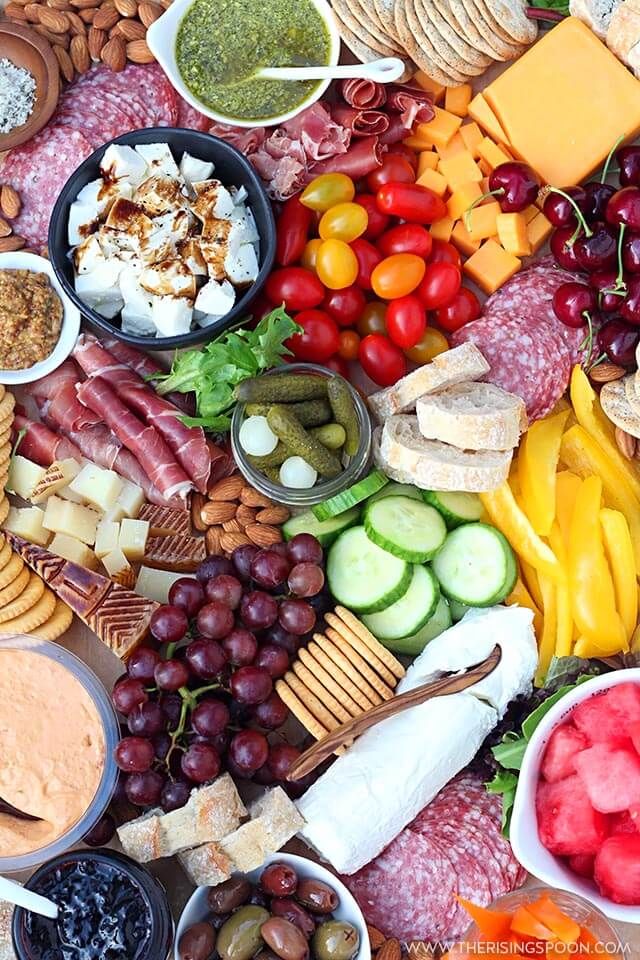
pixel 605 169
pixel 601 359
pixel 620 284
pixel 498 192
pixel 587 343
pixel 582 223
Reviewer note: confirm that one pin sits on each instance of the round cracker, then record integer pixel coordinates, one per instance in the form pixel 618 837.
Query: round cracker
pixel 57 624
pixel 329 683
pixel 368 654
pixel 11 570
pixel 365 53
pixel 299 710
pixel 384 9
pixel 323 695
pixel 421 48
pixel 334 653
pixel 456 62
pixel 38 613
pixel 2 391
pixel 349 17
pixel 507 49
pixel 455 13
pixel 15 588
pixel 367 10
pixel 5 435
pixel 342 678
pixel 5 552
pixel 360 664
pixel 4 503
pixel 614 402
pixel 511 16
pixel 413 49
pixel 5 452
pixel 7 404
pixel 25 601
pixel 452 40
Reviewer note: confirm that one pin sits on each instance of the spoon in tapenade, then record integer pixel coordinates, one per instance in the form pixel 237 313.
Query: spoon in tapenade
pixel 12 892
pixel 14 812
pixel 385 70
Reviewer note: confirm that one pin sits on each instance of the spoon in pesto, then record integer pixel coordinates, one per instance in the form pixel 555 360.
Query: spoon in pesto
pixel 385 70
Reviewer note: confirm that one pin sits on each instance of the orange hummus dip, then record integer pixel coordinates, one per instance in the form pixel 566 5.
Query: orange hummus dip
pixel 52 750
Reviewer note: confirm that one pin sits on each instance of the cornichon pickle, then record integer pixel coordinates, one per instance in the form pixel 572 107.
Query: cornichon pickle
pixel 272 473
pixel 331 435
pixel 310 413
pixel 273 459
pixel 344 413
pixel 282 388
pixel 288 429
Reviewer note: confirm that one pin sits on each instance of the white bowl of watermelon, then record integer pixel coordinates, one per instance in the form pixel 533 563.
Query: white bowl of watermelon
pixel 576 816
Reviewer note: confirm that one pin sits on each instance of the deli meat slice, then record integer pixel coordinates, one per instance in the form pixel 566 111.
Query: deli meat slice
pixel 413 104
pixel 362 123
pixel 41 444
pixel 146 366
pixel 364 94
pixel 190 118
pixel 363 157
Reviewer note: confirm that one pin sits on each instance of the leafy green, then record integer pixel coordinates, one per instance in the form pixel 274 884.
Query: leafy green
pixel 504 783
pixel 561 6
pixel 567 670
pixel 213 372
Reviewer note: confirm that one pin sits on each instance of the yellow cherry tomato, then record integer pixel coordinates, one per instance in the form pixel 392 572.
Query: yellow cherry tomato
pixel 432 343
pixel 327 190
pixel 372 318
pixel 345 221
pixel 310 254
pixel 336 264
pixel 397 275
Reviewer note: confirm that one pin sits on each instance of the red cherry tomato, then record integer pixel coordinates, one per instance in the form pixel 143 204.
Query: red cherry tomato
pixel 439 285
pixel 319 339
pixel 378 222
pixel 368 259
pixel 381 360
pixel 394 169
pixel 406 321
pixel 349 343
pixel 411 202
pixel 443 252
pixel 397 275
pixel 406 238
pixel 345 306
pixel 404 151
pixel 338 365
pixel 373 318
pixel 464 308
pixel 292 231
pixel 296 287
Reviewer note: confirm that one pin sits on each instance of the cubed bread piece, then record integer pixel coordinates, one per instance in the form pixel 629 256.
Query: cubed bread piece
pixel 274 821
pixel 206 866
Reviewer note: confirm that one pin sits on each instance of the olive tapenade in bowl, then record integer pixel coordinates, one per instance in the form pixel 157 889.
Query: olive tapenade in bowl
pixel 212 50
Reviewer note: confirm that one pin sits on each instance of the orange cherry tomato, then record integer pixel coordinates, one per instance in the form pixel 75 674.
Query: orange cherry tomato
pixel 349 343
pixel 336 264
pixel 372 318
pixel 345 221
pixel 432 343
pixel 310 254
pixel 397 275
pixel 327 190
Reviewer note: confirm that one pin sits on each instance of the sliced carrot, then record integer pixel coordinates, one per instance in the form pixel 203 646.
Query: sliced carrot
pixel 526 924
pixel 564 927
pixel 493 924
pixel 587 939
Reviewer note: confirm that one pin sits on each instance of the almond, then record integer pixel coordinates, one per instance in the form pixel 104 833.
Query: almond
pixel 197 503
pixel 83 4
pixel 273 515
pixel 390 950
pixel 60 5
pixel 32 12
pixel 165 4
pixel 127 8
pixel 114 52
pixel 606 372
pixel 149 12
pixel 229 488
pixel 376 939
pixel 22 3
pixel 232 526
pixel 5 228
pixel 77 26
pixel 212 540
pixel 10 201
pixel 626 443
pixel 64 62
pixel 54 20
pixel 131 30
pixel 245 515
pixel 262 534
pixel 252 498
pixel 230 541
pixel 87 15
pixel 105 18
pixel 212 513
pixel 96 40
pixel 62 39
pixel 138 52
pixel 9 244
pixel 15 12
pixel 79 52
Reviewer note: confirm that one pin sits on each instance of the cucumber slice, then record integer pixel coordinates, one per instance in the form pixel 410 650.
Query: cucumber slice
pixel 476 565
pixel 410 613
pixel 325 531
pixel 415 644
pixel 458 610
pixel 394 489
pixel 360 491
pixel 456 508
pixel 409 529
pixel 364 577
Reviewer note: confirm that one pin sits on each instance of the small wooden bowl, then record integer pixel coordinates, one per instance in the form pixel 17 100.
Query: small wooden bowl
pixel 26 48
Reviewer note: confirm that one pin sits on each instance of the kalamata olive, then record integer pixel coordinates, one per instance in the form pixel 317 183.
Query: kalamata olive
pixel 198 942
pixel 317 896
pixel 239 938
pixel 285 939
pixel 228 895
pixel 292 911
pixel 266 955
pixel 279 880
pixel 335 940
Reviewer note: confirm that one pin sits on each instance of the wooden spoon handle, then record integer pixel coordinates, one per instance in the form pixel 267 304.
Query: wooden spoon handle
pixel 444 686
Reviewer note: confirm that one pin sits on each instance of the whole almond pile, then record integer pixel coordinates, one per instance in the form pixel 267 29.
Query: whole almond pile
pixel 390 949
pixel 83 32
pixel 9 210
pixel 234 514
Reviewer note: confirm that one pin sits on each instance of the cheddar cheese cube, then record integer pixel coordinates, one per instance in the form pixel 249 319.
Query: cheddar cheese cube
pixel 459 170
pixel 457 99
pixel 472 136
pixel 530 212
pixel 461 239
pixel 481 221
pixel 441 129
pixel 512 233
pixel 418 143
pixel 427 160
pixel 452 148
pixel 434 181
pixel 441 229
pixel 538 230
pixel 480 111
pixel 492 153
pixel 491 266
pixel 462 198
pixel 432 86
pixel 484 166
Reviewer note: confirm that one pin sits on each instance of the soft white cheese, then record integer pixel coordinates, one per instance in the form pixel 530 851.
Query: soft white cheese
pixel 216 298
pixel 123 163
pixel 171 316
pixel 241 266
pixel 159 159
pixel 193 169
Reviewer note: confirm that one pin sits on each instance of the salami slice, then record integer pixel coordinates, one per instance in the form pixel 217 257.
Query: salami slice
pixel 190 118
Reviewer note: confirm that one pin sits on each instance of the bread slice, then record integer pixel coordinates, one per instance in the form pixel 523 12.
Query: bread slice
pixel 432 465
pixel 595 13
pixel 614 402
pixel 6 940
pixel 623 32
pixel 473 416
pixel 211 813
pixel 453 366
pixel 274 821
pixel 206 866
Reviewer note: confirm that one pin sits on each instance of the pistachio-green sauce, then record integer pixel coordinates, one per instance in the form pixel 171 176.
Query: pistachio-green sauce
pixel 222 43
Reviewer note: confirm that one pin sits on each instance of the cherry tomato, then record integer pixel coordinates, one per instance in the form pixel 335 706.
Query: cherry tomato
pixel 404 151
pixel 310 254
pixel 464 308
pixel 327 190
pixel 406 321
pixel 373 318
pixel 345 306
pixel 439 286
pixel 349 343
pixel 319 339
pixel 336 264
pixel 443 252
pixel 381 360
pixel 411 202
pixel 368 258
pixel 433 342
pixel 378 222
pixel 292 231
pixel 406 238
pixel 297 288
pixel 397 275
pixel 345 221
pixel 394 169
pixel 338 365
pixel 259 309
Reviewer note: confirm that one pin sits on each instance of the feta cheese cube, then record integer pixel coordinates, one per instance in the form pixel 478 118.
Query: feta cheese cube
pixel 159 159
pixel 132 322
pixel 124 163
pixel 191 254
pixel 171 316
pixel 193 169
pixel 242 267
pixel 99 288
pixel 239 194
pixel 216 298
pixel 160 194
pixel 88 255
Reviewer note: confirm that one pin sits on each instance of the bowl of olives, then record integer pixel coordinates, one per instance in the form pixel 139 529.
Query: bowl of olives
pixel 290 908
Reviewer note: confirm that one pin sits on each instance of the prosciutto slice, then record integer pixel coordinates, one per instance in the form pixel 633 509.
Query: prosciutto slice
pixel 361 123
pixel 364 94
pixel 188 444
pixel 143 440
pixel 363 157
pixel 146 366
pixel 413 104
pixel 58 389
pixel 47 387
pixel 41 444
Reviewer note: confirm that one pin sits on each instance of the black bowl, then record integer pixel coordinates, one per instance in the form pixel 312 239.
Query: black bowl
pixel 230 167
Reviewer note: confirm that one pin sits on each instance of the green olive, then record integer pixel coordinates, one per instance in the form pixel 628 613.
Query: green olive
pixel 239 937
pixel 335 940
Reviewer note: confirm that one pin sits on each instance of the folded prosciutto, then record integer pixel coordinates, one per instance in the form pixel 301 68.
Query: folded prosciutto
pixel 364 94
pixel 41 444
pixel 362 123
pixel 363 157
pixel 147 367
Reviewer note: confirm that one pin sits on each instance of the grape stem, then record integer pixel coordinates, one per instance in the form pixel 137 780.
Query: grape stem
pixel 607 163
pixel 189 702
pixel 582 223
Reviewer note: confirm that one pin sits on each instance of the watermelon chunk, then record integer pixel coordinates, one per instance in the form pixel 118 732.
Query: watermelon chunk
pixel 611 777
pixel 628 821
pixel 634 733
pixel 583 864
pixel 567 822
pixel 617 869
pixel 560 755
pixel 607 716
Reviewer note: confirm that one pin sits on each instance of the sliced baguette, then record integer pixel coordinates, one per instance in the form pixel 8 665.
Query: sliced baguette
pixel 433 465
pixel 6 940
pixel 473 416
pixel 595 13
pixel 453 366
pixel 274 821
pixel 614 402
pixel 206 866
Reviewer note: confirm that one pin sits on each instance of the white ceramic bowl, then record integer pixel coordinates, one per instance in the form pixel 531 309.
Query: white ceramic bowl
pixel 526 844
pixel 161 40
pixel 196 908
pixel 70 319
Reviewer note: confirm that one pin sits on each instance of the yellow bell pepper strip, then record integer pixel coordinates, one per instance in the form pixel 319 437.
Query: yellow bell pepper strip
pixel 619 550
pixel 567 486
pixel 635 641
pixel 580 452
pixel 590 416
pixel 507 516
pixel 547 642
pixel 523 598
pixel 592 593
pixel 530 578
pixel 538 461
pixel 564 612
pixel 586 648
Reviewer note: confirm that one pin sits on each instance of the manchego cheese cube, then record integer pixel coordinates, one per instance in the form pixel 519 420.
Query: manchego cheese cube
pixel 130 498
pixel 24 475
pixel 74 550
pixel 107 537
pixel 155 584
pixel 98 487
pixel 27 522
pixel 62 516
pixel 58 475
pixel 116 564
pixel 133 538
pixel 115 514
pixel 512 233
pixel 491 266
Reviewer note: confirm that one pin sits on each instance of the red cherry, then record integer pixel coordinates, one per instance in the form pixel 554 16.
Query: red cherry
pixel 624 208
pixel 559 211
pixel 562 249
pixel 631 252
pixel 573 302
pixel 597 197
pixel 630 309
pixel 515 185
pixel 598 251
pixel 628 159
pixel 604 281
